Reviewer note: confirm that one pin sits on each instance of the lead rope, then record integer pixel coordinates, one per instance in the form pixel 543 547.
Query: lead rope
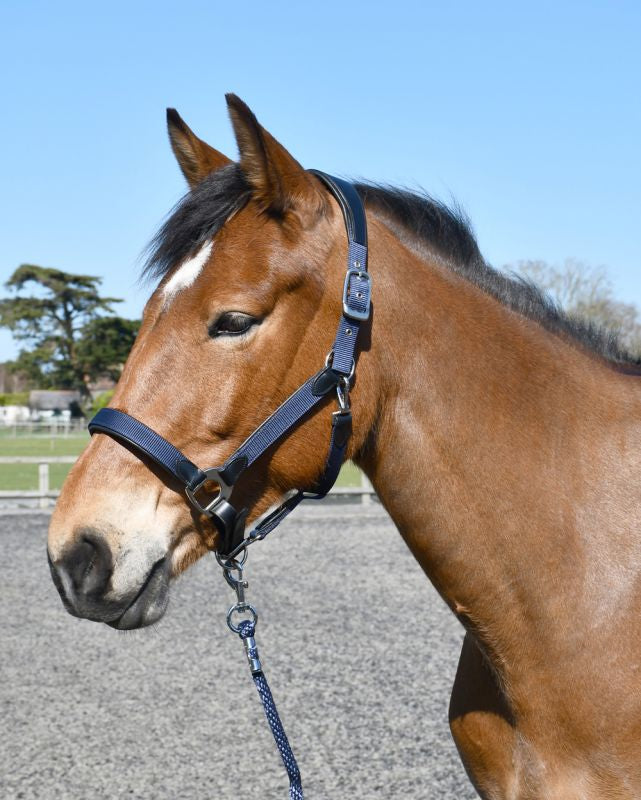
pixel 233 572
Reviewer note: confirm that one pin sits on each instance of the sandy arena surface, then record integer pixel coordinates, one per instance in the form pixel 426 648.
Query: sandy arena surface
pixel 359 650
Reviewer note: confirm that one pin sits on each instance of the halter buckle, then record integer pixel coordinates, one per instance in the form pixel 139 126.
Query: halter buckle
pixel 361 295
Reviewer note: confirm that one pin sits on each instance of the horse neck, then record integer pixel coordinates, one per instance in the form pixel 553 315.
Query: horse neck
pixel 505 455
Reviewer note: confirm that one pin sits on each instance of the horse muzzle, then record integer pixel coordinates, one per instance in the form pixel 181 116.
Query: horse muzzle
pixel 84 575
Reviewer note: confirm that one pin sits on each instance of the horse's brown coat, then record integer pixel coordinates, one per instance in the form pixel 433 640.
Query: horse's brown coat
pixel 508 457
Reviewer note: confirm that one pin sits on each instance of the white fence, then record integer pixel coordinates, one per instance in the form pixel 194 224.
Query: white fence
pixel 45 496
pixel 51 426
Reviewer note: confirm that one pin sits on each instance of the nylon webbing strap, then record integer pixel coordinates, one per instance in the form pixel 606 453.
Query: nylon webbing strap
pixel 288 414
pixel 357 290
pixel 356 304
pixel 131 431
pixel 341 428
pixel 351 205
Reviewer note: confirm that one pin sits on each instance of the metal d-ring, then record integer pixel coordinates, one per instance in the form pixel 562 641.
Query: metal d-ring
pixel 352 369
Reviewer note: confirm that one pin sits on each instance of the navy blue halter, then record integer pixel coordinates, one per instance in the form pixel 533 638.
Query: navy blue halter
pixel 335 375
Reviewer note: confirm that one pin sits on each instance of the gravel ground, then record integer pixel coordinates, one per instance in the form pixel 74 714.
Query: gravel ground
pixel 359 650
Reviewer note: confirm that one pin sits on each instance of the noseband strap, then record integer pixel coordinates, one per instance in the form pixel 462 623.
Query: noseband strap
pixel 130 431
pixel 209 490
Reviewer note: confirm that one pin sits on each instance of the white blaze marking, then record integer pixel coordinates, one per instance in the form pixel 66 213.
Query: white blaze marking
pixel 187 272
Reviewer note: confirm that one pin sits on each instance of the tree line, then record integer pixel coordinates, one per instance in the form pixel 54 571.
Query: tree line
pixel 71 335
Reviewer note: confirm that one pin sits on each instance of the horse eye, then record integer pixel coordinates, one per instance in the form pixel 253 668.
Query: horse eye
pixel 232 323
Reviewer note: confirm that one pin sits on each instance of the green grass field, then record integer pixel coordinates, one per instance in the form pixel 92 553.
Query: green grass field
pixel 25 476
pixel 42 445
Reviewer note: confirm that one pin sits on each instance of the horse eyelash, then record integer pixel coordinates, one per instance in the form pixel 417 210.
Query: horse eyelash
pixel 215 329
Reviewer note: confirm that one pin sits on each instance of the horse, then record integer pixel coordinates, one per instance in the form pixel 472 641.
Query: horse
pixel 502 436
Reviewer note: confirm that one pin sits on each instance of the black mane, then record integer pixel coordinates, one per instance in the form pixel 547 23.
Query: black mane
pixel 418 220
pixel 446 232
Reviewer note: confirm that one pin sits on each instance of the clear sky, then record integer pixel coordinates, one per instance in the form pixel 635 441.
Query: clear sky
pixel 529 114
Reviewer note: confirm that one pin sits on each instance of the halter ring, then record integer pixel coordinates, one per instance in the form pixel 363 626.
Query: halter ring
pixel 352 369
pixel 241 608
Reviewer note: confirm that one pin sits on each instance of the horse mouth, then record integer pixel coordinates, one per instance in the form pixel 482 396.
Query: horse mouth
pixel 150 604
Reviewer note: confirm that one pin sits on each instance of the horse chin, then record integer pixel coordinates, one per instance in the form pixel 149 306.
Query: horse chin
pixel 150 604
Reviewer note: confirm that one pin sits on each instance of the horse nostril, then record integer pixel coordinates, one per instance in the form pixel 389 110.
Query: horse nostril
pixel 86 568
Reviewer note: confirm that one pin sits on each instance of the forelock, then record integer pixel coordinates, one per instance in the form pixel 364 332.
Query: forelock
pixel 196 219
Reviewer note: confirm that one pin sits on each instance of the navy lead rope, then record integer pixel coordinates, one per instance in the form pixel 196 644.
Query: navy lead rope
pixel 246 632
pixel 233 572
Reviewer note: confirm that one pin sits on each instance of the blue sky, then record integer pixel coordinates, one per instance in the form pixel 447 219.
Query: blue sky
pixel 528 114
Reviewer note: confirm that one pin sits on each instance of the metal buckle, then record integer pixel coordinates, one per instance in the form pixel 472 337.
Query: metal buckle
pixel 223 491
pixel 349 311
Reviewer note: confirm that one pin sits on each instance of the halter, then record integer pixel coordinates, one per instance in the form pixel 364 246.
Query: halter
pixel 215 503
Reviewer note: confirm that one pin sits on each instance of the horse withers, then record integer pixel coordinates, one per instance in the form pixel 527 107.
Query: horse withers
pixel 503 438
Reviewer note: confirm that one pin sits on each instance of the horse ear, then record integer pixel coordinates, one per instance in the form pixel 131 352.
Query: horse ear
pixel 279 182
pixel 195 157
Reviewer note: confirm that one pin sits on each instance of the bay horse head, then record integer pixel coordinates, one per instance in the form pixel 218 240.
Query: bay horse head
pixel 251 265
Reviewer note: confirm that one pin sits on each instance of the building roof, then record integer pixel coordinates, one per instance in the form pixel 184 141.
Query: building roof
pixel 56 399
